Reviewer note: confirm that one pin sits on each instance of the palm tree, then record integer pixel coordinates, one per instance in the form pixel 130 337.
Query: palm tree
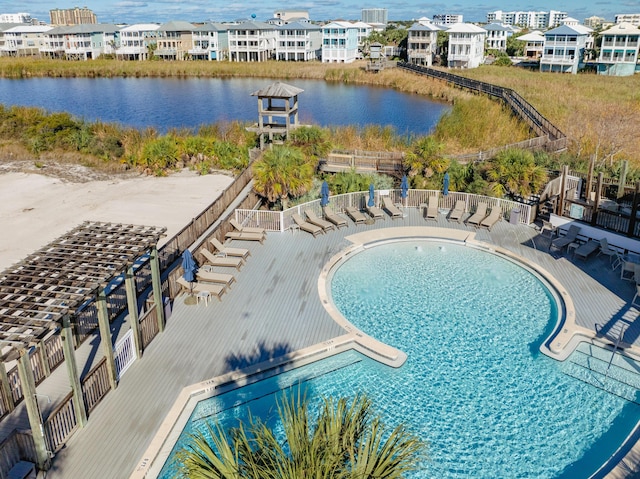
pixel 282 172
pixel 515 172
pixel 346 442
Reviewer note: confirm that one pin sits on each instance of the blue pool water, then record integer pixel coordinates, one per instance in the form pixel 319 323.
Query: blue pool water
pixel 474 387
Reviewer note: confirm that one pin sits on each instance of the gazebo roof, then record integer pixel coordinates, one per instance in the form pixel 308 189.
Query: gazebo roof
pixel 60 277
pixel 278 90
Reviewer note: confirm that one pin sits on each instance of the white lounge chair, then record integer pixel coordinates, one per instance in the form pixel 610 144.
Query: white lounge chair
pixel 355 215
pixel 195 287
pixel 432 209
pixel 245 236
pixel 213 277
pixel 227 261
pixel 457 212
pixel 228 250
pixel 315 230
pixel 316 220
pixel 246 229
pixel 392 209
pixel 480 214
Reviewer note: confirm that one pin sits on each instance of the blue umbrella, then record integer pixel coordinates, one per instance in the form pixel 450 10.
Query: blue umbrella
pixel 324 194
pixel 371 196
pixel 189 266
pixel 404 187
pixel 445 184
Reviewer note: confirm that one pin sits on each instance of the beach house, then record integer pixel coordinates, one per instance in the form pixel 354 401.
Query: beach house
pixel 299 41
pixel 466 45
pixel 133 42
pixel 422 42
pixel 252 42
pixel 175 39
pixel 210 42
pixel 564 49
pixel 619 50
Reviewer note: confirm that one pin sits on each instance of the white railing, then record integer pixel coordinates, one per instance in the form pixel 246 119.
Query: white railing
pixel 124 353
pixel 281 220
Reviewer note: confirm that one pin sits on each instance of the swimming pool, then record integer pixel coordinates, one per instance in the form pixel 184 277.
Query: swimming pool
pixel 475 386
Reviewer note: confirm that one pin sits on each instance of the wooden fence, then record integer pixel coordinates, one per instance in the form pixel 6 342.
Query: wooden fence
pixel 60 424
pixel 18 446
pixel 96 385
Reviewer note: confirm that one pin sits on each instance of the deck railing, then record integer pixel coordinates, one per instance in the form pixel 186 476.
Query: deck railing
pixel 18 446
pixel 96 385
pixel 148 326
pixel 60 424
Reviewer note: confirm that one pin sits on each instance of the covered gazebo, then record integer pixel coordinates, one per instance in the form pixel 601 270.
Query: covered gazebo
pixel 41 296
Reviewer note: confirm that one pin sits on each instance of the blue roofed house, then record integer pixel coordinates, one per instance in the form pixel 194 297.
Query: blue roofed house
pixel 466 45
pixel 210 42
pixel 422 43
pixel 299 41
pixel 339 42
pixel 252 42
pixel 564 49
pixel 619 50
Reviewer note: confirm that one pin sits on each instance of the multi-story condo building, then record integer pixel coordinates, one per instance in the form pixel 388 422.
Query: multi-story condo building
pixel 632 18
pixel 175 39
pixel 252 42
pixel 447 19
pixel 299 42
pixel 291 15
pixel 422 42
pixel 530 19
pixel 23 40
pixel 466 45
pixel 15 18
pixel 210 42
pixel 134 41
pixel 594 22
pixel 534 44
pixel 619 50
pixel 497 35
pixel 564 49
pixel 339 42
pixel 376 16
pixel 72 16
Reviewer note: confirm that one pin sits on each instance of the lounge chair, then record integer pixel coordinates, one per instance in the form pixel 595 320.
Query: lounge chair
pixel 246 229
pixel 493 218
pixel 614 257
pixel 458 211
pixel 392 209
pixel 432 209
pixel 213 289
pixel 355 215
pixel 212 277
pixel 316 220
pixel 228 250
pixel 334 218
pixel 585 250
pixel 375 212
pixel 570 237
pixel 242 235
pixel 315 230
pixel 480 214
pixel 228 261
pixel 637 295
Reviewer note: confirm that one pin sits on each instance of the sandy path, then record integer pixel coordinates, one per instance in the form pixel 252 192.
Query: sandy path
pixel 35 209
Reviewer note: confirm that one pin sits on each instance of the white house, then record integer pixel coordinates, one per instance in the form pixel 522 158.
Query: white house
pixel 210 42
pixel 564 49
pixel 88 41
pixel 339 42
pixel 299 42
pixel 497 35
pixel 619 50
pixel 466 45
pixel 534 44
pixel 364 30
pixel 134 41
pixel 174 40
pixel 422 43
pixel 23 40
pixel 252 42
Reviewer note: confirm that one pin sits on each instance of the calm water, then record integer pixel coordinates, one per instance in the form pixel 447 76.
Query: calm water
pixel 475 386
pixel 173 103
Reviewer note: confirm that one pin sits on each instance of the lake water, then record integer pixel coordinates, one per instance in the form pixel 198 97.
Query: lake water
pixel 173 103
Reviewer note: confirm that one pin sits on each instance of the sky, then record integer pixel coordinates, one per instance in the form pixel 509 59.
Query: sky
pixel 160 11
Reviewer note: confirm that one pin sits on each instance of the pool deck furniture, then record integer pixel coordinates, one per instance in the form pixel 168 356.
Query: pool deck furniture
pixel 479 215
pixel 431 212
pixel 196 287
pixel 563 241
pixel 229 250
pixel 493 218
pixel 316 220
pixel 637 295
pixel 245 236
pixel 457 212
pixel 355 215
pixel 586 250
pixel 334 218
pixel 614 257
pixel 392 209
pixel 221 260
pixel 212 277
pixel 375 212
pixel 315 230
pixel 246 229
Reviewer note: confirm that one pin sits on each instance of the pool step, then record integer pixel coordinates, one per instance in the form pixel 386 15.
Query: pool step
pixel 594 365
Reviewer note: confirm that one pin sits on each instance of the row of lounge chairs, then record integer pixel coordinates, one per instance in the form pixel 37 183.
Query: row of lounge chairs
pixel 480 218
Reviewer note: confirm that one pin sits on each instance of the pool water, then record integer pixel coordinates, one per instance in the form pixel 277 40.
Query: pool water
pixel 474 387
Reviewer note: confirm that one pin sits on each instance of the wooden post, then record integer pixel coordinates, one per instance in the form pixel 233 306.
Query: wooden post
pixel 132 307
pixel 157 288
pixel 105 336
pixel 72 371
pixel 563 187
pixel 624 168
pixel 44 360
pixel 634 211
pixel 596 203
pixel 28 385
pixel 592 164
pixel 6 388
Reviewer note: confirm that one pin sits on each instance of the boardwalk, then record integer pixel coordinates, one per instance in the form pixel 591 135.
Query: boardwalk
pixel 274 308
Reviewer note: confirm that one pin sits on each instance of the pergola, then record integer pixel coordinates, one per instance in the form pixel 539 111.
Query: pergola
pixel 44 291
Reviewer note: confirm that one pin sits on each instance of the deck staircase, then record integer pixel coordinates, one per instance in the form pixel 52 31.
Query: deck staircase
pixel 605 369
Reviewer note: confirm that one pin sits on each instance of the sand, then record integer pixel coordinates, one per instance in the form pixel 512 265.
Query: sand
pixel 36 209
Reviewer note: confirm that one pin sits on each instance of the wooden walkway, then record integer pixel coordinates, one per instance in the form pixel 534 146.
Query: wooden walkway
pixel 273 308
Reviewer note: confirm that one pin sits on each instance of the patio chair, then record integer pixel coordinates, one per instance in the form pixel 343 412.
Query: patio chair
pixel 637 295
pixel 493 218
pixel 355 215
pixel 226 261
pixel 375 212
pixel 566 240
pixel 458 211
pixel 213 277
pixel 614 257
pixel 432 209
pixel 315 230
pixel 245 236
pixel 246 229
pixel 316 220
pixel 585 250
pixel 480 214
pixel 228 250
pixel 334 218
pixel 392 209
pixel 195 287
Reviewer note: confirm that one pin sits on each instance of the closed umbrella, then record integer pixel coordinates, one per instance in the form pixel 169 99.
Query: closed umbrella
pixel 371 202
pixel 324 194
pixel 445 184
pixel 189 266
pixel 404 187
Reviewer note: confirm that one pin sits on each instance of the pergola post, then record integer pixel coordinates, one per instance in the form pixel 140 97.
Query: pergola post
pixel 28 385
pixel 132 307
pixel 105 336
pixel 6 388
pixel 72 371
pixel 157 288
pixel 42 351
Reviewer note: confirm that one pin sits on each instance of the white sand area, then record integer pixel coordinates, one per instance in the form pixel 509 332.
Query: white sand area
pixel 36 209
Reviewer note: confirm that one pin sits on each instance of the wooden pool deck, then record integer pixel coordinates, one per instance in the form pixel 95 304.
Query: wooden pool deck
pixel 272 309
